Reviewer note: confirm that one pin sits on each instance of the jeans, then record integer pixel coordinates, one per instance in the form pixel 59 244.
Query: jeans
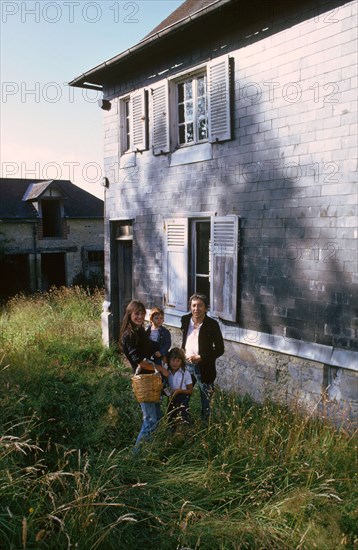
pixel 151 415
pixel 206 391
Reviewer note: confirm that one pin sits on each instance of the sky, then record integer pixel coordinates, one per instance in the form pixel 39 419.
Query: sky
pixel 49 130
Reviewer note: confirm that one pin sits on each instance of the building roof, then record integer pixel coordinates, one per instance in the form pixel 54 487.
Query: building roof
pixel 183 12
pixel 187 13
pixel 17 195
pixel 194 20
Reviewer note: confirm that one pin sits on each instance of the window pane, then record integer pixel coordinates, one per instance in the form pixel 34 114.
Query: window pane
pixel 181 113
pixel 180 93
pixel 202 129
pixel 189 112
pixel 95 256
pixel 189 90
pixel 182 134
pixel 202 286
pixel 190 132
pixel 201 86
pixel 202 247
pixel 201 107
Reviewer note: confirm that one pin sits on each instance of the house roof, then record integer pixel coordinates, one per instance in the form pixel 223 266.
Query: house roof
pixel 17 195
pixel 183 12
pixel 193 20
pixel 187 13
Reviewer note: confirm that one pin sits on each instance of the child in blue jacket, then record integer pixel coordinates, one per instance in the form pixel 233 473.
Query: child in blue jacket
pixel 160 335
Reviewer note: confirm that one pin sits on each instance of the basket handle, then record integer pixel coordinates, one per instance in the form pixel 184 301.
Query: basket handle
pixel 143 364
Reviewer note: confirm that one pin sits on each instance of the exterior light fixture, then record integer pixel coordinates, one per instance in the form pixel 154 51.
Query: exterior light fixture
pixel 104 104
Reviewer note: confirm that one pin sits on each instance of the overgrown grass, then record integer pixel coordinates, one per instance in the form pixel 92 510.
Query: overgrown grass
pixel 258 477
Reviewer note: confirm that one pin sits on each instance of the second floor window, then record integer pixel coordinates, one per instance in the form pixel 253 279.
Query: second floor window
pixel 51 218
pixel 186 110
pixel 133 122
pixel 192 110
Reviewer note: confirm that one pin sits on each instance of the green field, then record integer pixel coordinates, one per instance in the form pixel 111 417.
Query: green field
pixel 258 477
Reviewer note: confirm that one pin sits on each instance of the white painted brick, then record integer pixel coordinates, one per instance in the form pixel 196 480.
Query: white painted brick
pixel 353 129
pixel 332 122
pixel 349 141
pixel 349 96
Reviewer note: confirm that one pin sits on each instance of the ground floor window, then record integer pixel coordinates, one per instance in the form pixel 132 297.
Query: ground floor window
pixel 201 255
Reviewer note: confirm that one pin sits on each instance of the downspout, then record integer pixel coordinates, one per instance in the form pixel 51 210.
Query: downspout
pixel 34 232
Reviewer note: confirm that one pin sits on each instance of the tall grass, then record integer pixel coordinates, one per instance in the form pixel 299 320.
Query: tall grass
pixel 258 477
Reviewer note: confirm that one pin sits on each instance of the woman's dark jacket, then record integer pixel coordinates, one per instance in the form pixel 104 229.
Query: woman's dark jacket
pixel 211 345
pixel 137 346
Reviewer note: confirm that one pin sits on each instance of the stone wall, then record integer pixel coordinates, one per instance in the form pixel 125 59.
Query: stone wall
pixel 80 235
pixel 310 386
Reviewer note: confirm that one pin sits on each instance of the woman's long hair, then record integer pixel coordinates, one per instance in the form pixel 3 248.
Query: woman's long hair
pixel 127 327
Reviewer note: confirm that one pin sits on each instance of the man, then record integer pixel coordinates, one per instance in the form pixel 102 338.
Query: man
pixel 203 344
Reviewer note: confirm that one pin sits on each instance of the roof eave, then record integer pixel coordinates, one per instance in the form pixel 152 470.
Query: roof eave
pixel 83 81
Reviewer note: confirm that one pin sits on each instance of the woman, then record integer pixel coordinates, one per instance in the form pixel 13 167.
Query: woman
pixel 135 344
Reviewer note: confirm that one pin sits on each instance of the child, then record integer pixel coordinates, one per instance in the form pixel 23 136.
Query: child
pixel 159 334
pixel 180 386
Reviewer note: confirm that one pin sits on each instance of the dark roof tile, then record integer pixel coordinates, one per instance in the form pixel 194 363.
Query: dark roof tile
pixel 189 7
pixel 78 203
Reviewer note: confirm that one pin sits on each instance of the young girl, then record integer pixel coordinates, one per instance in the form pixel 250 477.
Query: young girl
pixel 136 346
pixel 159 334
pixel 180 386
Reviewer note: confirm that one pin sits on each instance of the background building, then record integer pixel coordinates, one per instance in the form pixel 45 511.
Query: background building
pixel 51 233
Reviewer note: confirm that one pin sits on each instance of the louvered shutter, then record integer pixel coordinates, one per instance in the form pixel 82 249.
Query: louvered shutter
pixel 160 119
pixel 175 269
pixel 139 121
pixel 219 99
pixel 224 265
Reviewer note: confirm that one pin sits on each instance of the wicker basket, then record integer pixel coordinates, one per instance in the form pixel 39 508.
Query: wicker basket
pixel 147 387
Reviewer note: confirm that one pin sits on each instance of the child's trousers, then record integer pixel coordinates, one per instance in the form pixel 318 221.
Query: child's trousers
pixel 178 409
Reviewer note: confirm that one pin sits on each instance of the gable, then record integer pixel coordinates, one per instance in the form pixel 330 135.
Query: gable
pixel 16 195
pixel 36 191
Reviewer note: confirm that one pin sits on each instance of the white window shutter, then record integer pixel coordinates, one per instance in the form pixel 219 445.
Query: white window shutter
pixel 219 99
pixel 224 265
pixel 139 121
pixel 175 268
pixel 160 119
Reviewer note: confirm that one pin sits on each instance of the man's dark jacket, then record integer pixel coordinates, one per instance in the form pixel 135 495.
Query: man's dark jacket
pixel 211 345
